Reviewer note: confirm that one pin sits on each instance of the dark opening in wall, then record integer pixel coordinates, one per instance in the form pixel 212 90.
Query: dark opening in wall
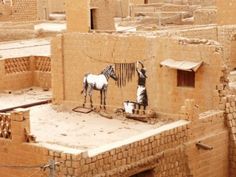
pixel 185 78
pixel 145 1
pixel 93 19
pixel 147 173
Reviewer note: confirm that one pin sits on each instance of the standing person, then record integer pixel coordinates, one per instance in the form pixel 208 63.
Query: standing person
pixel 142 98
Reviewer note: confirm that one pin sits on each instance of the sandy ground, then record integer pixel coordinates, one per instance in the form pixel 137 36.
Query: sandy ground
pixel 81 131
pixel 21 97
pixel 61 130
pixel 25 48
pixel 54 27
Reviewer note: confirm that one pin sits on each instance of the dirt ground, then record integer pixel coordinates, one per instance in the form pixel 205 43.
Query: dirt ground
pixel 24 96
pixel 25 48
pixel 71 130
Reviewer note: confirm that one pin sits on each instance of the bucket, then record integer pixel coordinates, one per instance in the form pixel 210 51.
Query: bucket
pixel 129 107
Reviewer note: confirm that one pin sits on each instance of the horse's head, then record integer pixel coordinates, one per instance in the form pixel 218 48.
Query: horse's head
pixel 110 72
pixel 113 73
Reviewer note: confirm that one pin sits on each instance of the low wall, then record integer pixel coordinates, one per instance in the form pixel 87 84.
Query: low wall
pixel 18 73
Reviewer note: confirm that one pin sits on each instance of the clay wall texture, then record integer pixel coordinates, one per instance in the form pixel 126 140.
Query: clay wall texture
pixel 24 10
pixel 18 73
pixel 42 9
pixel 79 54
pixel 31 10
pixel 5 12
pixel 103 18
pixel 104 14
pixel 226 14
pixel 122 8
pixel 77 20
pixel 46 7
pixel 56 6
pixel 205 16
pixel 225 35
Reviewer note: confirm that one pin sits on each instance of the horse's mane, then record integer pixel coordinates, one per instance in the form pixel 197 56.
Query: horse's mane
pixel 106 69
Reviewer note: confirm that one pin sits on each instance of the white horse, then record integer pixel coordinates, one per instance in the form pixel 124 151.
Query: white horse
pixel 98 82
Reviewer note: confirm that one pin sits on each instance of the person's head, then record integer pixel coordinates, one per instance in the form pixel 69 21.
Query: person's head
pixel 143 70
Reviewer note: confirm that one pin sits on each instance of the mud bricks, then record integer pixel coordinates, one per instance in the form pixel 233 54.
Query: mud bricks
pixel 230 107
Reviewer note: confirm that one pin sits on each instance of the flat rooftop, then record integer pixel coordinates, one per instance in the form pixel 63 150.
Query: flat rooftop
pixel 52 27
pixel 25 48
pixel 75 132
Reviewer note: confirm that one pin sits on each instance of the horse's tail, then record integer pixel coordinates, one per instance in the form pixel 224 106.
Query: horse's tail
pixel 85 84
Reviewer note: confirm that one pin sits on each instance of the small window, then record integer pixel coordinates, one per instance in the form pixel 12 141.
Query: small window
pixel 145 1
pixel 185 78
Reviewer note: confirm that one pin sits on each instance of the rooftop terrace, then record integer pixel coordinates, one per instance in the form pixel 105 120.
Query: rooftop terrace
pixel 76 132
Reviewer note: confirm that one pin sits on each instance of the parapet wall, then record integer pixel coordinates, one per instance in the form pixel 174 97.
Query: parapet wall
pixel 18 73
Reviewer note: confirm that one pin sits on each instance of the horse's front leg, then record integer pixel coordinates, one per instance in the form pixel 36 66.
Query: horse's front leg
pixel 101 99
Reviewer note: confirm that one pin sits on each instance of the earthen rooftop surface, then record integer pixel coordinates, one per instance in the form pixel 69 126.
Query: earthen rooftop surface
pixel 25 48
pixel 53 27
pixel 71 131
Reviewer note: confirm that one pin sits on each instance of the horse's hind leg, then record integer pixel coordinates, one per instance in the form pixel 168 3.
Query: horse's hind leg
pixel 90 95
pixel 104 99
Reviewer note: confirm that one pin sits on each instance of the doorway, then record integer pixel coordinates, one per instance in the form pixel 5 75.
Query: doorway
pixel 93 24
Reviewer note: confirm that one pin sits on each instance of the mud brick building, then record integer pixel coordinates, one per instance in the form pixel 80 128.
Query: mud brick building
pixel 188 49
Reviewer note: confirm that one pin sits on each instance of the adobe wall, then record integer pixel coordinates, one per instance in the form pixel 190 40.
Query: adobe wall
pixel 225 35
pixel 159 7
pixel 45 7
pixel 104 14
pixel 208 33
pixel 136 1
pixel 205 16
pixel 75 54
pixel 56 6
pixel 24 10
pixel 122 8
pixel 229 103
pixel 42 9
pixel 16 150
pixel 5 12
pixel 170 150
pixel 226 14
pixel 191 2
pixel 77 15
pixel 226 38
pixel 18 73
